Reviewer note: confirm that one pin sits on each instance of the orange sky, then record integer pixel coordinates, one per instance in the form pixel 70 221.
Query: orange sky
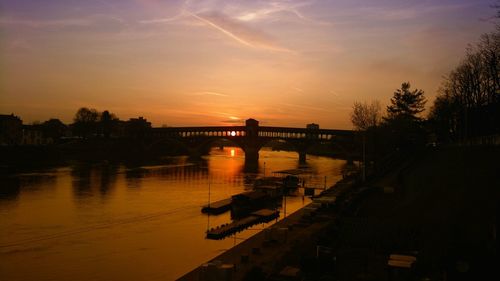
pixel 285 63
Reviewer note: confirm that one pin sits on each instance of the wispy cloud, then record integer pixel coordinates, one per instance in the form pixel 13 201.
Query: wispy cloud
pixel 45 23
pixel 305 107
pixel 237 19
pixel 208 93
pixel 416 11
pixel 239 32
pixel 177 17
pixel 273 9
pixel 232 121
pixel 101 20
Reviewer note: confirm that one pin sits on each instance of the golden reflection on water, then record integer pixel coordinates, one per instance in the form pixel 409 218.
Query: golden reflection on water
pixel 128 222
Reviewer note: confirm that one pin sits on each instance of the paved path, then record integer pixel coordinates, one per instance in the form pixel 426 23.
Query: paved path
pixel 272 244
pixel 267 248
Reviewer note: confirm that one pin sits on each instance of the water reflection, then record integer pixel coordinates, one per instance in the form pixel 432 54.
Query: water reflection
pixel 142 218
pixel 251 167
pixel 91 179
pixel 134 176
pixel 108 177
pixel 11 188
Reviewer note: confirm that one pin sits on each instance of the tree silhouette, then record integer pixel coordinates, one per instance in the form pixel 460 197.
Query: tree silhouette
pixel 85 122
pixel 107 123
pixel 406 103
pixel 468 104
pixel 404 129
pixel 364 115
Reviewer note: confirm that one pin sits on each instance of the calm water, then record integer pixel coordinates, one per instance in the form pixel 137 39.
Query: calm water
pixel 114 222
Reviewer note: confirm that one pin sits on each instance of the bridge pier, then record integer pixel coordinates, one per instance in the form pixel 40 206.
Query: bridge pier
pixel 302 157
pixel 252 144
pixel 251 154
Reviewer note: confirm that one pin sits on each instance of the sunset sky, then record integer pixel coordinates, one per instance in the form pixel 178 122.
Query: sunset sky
pixel 285 63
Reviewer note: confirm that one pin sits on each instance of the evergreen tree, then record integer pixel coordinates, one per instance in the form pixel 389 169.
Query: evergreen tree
pixel 406 103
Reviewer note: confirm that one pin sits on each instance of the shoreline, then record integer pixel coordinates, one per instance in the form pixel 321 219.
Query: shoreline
pixel 269 247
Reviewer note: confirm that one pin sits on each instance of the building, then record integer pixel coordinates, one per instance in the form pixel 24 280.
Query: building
pixel 312 126
pixel 10 129
pixel 137 127
pixel 33 135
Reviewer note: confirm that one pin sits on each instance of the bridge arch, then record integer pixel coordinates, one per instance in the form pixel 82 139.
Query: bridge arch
pixel 195 146
pixel 300 146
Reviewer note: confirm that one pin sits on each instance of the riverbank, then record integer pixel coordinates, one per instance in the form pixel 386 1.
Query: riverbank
pixel 270 250
pixel 439 207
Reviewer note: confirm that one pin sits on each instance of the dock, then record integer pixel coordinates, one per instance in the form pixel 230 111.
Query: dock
pixel 260 216
pixel 217 207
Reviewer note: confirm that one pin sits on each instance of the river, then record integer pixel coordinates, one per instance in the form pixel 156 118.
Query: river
pixel 105 221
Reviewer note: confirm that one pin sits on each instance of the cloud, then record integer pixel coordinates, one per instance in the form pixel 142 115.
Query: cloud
pixel 305 107
pixel 19 45
pixel 102 21
pixel 44 23
pixel 232 121
pixel 275 11
pixel 239 32
pixel 177 17
pixel 237 19
pixel 208 93
pixel 416 11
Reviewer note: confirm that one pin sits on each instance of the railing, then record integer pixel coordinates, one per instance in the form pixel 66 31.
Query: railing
pixel 241 131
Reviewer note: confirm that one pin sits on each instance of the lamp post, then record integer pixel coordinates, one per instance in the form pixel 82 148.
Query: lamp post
pixel 208 214
pixel 364 156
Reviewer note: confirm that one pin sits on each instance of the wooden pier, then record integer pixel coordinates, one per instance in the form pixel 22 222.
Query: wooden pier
pixel 260 216
pixel 217 207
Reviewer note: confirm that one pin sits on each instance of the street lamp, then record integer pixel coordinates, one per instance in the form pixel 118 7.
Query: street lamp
pixel 364 156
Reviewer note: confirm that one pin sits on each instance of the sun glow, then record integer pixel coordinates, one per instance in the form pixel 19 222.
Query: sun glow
pixel 233 133
pixel 232 152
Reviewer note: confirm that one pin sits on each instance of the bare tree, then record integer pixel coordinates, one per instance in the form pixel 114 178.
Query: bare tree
pixel 469 102
pixel 364 115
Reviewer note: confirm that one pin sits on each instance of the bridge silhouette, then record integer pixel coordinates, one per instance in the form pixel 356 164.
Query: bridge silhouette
pixel 250 138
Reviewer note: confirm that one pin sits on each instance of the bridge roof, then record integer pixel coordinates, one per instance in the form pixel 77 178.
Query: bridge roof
pixel 260 128
pixel 204 128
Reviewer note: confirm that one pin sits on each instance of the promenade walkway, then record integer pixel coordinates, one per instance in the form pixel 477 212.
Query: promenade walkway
pixel 268 248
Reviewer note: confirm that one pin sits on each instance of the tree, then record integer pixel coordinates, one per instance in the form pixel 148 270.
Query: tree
pixel 406 103
pixel 85 115
pixel 364 115
pixel 404 129
pixel 468 104
pixel 85 121
pixel 107 123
